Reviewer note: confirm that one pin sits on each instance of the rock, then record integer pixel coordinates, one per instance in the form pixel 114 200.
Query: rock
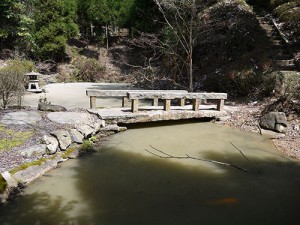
pixel 85 130
pixel 52 144
pixel 11 182
pixel 63 137
pixel 276 121
pixel 71 118
pixel 271 134
pixel 296 127
pixel 36 150
pixel 19 118
pixel 50 108
pixel 76 136
pixel 98 125
pixel 223 118
pixel 114 128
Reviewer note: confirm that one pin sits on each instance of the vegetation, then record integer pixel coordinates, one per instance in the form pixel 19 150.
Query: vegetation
pixel 90 70
pixel 86 146
pixel 191 44
pixel 68 152
pixel 12 81
pixel 11 138
pixel 53 25
pixel 26 165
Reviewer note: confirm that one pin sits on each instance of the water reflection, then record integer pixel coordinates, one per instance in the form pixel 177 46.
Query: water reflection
pixel 123 184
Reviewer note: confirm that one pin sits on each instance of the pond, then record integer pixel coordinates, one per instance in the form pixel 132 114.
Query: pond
pixel 126 182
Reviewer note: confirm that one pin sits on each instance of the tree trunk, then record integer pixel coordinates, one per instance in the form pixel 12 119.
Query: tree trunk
pixel 191 46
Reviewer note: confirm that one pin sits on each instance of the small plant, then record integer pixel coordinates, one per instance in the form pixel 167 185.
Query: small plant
pixel 86 146
pixel 44 100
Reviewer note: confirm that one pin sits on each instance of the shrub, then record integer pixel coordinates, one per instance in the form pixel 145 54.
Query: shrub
pixel 12 81
pixel 90 70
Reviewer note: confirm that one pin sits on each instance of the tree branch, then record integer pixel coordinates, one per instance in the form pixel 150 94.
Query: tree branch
pixel 165 155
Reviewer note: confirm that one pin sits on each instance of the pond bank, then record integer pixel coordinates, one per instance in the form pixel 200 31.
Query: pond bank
pixel 241 117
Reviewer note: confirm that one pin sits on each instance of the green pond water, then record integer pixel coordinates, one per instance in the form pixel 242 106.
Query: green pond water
pixel 124 184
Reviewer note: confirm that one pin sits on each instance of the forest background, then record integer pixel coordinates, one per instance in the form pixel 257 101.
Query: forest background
pixel 199 45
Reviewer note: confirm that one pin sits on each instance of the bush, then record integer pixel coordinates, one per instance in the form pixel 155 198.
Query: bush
pixel 90 70
pixel 12 81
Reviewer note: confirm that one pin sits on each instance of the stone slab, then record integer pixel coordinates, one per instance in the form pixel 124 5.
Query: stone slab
pixel 156 113
pixel 39 149
pixel 68 117
pixel 21 118
pixel 123 93
pixel 174 95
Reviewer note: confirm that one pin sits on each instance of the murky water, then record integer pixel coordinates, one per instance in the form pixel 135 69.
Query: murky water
pixel 125 183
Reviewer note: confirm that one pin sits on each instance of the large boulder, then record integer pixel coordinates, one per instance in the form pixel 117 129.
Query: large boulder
pixel 275 121
pixel 50 108
pixel 63 137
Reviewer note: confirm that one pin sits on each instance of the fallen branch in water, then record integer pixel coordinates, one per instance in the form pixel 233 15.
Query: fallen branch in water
pixel 240 152
pixel 168 156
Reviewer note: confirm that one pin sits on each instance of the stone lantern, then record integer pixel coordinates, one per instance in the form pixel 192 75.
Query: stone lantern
pixel 32 82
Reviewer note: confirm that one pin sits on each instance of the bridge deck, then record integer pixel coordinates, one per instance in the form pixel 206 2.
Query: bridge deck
pixel 156 113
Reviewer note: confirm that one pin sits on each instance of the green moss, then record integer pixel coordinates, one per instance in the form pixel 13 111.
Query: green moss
pixel 26 165
pixel 3 184
pixel 11 139
pixel 68 152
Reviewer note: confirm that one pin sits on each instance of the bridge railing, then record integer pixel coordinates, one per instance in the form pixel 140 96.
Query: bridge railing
pixel 165 95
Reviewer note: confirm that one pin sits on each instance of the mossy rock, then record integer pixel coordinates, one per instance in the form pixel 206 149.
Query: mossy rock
pixel 11 139
pixel 3 184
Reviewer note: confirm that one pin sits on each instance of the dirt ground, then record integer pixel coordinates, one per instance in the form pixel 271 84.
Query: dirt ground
pixel 246 117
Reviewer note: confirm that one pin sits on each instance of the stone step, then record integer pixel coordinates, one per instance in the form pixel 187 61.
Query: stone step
pixel 283 57
pixel 277 42
pixel 285 62
pixel 292 67
pixel 283 52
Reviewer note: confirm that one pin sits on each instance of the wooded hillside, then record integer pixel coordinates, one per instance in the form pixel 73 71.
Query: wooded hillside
pixel 212 45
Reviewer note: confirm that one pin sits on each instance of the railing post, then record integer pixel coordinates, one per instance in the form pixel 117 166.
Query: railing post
pixel 196 103
pixel 167 104
pixel 220 105
pixel 134 105
pixel 125 101
pixel 93 102
pixel 155 102
pixel 181 101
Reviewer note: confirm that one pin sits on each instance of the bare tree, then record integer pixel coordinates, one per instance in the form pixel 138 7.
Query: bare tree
pixel 180 18
pixel 11 86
